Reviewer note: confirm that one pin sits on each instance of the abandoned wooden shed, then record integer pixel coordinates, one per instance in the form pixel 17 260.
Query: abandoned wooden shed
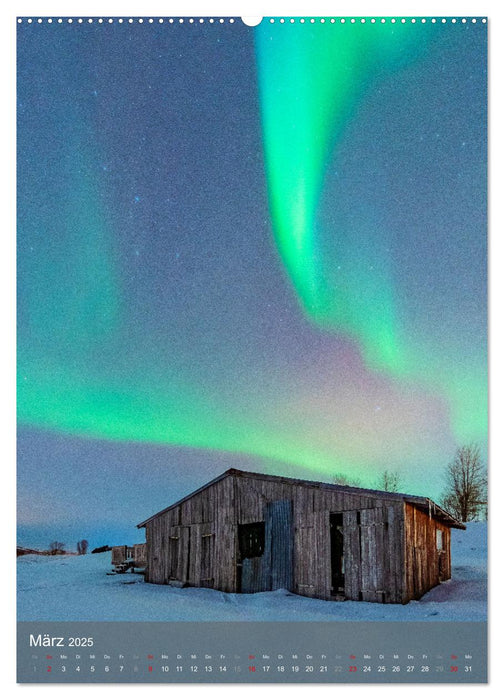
pixel 129 556
pixel 247 532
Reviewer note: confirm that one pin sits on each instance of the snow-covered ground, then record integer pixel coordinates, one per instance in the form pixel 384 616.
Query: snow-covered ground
pixel 77 588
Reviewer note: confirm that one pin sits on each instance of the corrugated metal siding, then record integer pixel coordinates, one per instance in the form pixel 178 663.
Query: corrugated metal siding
pixel 254 575
pixel 272 570
pixel 280 536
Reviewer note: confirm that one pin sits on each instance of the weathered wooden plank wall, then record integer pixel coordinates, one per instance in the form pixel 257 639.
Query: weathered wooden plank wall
pixel 140 554
pixel 304 561
pixel 118 554
pixel 195 542
pixel 387 558
pixel 425 565
pixel 446 573
pixel 383 554
pixel 352 547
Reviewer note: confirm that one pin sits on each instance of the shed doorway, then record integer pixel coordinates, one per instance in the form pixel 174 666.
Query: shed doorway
pixel 337 554
pixel 265 551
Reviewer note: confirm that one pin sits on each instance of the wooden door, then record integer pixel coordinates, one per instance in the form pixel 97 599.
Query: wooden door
pixel 178 554
pixel 252 566
pixel 207 542
pixel 372 559
pixel 305 561
pixel 352 554
pixel 366 548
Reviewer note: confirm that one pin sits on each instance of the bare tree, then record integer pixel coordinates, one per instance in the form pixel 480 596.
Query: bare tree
pixel 344 480
pixel 82 546
pixel 466 480
pixel 389 481
pixel 56 547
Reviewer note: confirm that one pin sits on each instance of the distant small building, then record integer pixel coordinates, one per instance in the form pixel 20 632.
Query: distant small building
pixel 21 551
pixel 246 532
pixel 130 556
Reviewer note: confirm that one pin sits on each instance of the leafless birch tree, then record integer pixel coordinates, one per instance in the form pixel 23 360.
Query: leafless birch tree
pixel 466 480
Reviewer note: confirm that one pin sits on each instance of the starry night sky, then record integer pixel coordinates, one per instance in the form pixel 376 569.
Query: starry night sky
pixel 253 248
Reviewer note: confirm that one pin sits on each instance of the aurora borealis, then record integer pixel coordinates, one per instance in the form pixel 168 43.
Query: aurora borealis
pixel 323 73
pixel 262 248
pixel 311 81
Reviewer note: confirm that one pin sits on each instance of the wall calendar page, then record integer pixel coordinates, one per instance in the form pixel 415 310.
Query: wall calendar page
pixel 252 349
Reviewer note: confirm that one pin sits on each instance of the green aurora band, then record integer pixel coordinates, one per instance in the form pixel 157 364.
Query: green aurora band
pixel 312 78
pixel 74 363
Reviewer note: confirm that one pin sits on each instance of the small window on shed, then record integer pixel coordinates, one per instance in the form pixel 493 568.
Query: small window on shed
pixel 251 540
pixel 439 539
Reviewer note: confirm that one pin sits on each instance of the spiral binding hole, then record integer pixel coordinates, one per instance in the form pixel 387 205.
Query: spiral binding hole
pixel 249 21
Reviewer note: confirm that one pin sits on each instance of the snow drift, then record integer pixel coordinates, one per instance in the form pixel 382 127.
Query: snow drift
pixel 77 588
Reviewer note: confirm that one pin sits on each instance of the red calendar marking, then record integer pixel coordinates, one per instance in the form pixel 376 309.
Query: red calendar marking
pixel 453 656
pixel 48 656
pixel 150 669
pixel 150 656
pixel 252 669
pixel 49 669
pixel 453 669
pixel 352 656
pixel 352 669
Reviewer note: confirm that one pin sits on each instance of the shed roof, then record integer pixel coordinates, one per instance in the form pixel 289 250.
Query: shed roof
pixel 422 502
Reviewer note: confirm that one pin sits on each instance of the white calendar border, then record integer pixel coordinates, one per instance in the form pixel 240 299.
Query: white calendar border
pixel 7 279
